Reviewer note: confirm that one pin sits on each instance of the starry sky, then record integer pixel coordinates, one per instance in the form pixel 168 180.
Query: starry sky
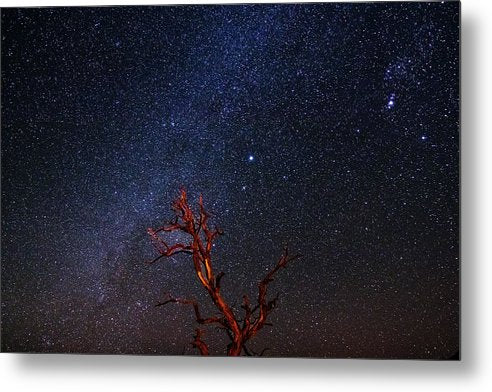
pixel 334 127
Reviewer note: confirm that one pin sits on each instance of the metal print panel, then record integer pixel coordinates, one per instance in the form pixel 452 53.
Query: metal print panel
pixel 273 180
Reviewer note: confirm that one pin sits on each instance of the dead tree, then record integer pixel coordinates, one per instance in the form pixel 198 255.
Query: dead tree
pixel 195 225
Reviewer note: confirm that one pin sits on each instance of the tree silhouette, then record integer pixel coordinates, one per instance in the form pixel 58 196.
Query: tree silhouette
pixel 201 239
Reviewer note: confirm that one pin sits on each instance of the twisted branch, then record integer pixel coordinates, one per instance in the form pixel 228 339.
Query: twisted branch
pixel 199 343
pixel 200 247
pixel 198 316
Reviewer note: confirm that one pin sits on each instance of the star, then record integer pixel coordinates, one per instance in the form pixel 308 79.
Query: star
pixel 254 107
pixel 391 101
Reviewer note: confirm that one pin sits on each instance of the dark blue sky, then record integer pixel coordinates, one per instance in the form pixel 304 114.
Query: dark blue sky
pixel 333 127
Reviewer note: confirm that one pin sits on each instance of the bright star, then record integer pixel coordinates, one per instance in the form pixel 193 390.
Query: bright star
pixel 391 101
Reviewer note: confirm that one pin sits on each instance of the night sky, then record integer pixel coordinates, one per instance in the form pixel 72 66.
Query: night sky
pixel 332 127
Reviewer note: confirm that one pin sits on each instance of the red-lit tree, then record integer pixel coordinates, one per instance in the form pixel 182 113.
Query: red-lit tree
pixel 201 239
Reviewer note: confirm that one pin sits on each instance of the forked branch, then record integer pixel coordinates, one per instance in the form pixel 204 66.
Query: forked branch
pixel 200 245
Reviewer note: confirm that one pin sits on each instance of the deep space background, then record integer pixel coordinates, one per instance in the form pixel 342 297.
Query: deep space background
pixel 334 127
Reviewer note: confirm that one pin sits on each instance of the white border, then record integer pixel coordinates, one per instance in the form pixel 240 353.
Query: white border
pixel 29 372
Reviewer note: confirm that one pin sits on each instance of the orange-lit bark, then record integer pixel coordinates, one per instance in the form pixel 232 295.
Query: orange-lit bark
pixel 199 343
pixel 200 248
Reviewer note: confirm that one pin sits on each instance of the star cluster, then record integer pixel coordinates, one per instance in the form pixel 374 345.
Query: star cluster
pixel 333 127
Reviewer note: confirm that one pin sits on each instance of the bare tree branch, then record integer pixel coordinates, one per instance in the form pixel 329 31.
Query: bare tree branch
pixel 198 316
pixel 199 343
pixel 201 241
